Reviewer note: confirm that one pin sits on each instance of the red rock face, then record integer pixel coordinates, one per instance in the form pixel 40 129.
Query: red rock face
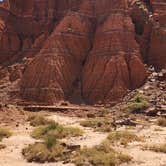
pixel 150 20
pixel 157 50
pixel 90 50
pixel 59 62
pixel 115 58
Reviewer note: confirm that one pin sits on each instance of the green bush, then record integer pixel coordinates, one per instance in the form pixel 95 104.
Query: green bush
pixel 138 104
pixel 56 130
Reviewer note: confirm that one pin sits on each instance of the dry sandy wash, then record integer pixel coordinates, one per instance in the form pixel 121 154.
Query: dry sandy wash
pixel 11 155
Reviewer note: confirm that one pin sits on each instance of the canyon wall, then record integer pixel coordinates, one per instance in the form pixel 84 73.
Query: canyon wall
pixel 82 51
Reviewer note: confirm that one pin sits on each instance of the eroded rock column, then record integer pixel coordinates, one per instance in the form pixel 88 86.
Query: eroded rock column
pixel 51 75
pixel 114 64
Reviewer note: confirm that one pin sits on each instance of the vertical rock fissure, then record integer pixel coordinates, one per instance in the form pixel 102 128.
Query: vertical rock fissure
pixel 86 58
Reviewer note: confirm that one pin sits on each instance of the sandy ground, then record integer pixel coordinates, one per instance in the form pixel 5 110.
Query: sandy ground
pixel 152 135
pixel 11 155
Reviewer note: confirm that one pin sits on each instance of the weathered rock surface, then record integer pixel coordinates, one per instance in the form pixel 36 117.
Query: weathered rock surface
pixel 157 50
pixel 89 51
pixel 149 17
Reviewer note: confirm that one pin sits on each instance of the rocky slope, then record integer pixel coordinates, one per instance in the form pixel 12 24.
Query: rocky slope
pixel 88 51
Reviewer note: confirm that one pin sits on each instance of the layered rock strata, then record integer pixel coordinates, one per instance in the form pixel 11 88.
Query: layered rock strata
pixel 89 51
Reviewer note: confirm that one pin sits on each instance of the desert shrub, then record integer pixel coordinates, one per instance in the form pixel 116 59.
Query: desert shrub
pixel 98 124
pixel 56 130
pixel 103 112
pixel 4 133
pixel 138 104
pixel 44 152
pixel 72 132
pixel 156 148
pixel 37 120
pixel 123 137
pixel 50 141
pixel 51 150
pixel 161 122
pixel 103 155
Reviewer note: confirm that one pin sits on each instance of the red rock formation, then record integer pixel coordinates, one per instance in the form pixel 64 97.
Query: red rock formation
pixel 51 75
pixel 157 50
pixel 149 17
pixel 114 64
pixel 87 49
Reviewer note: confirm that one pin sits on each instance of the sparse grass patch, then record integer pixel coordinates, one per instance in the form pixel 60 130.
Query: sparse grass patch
pixel 4 133
pixel 98 124
pixel 156 148
pixel 103 112
pixel 103 155
pixel 38 120
pixel 51 150
pixel 138 104
pixel 56 130
pixel 158 129
pixel 123 137
pixel 161 122
pixel 41 152
pixel 72 132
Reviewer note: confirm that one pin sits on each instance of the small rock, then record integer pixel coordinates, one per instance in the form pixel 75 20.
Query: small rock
pixel 89 115
pixel 127 121
pixel 151 111
pixel 17 125
pixel 73 147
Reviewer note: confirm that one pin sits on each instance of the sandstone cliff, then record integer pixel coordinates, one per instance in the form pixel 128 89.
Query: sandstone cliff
pixel 90 51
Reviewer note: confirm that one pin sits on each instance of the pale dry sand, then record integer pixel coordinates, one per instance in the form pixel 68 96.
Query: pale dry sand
pixel 11 155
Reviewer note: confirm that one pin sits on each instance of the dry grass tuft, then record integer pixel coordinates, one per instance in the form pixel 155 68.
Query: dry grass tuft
pixel 4 133
pixel 44 152
pixel 103 155
pixel 38 120
pixel 161 122
pixel 103 112
pixel 50 150
pixel 123 137
pixel 98 124
pixel 138 104
pixel 156 148
pixel 56 130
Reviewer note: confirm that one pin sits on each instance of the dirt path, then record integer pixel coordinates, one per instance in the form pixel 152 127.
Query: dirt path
pixel 11 155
